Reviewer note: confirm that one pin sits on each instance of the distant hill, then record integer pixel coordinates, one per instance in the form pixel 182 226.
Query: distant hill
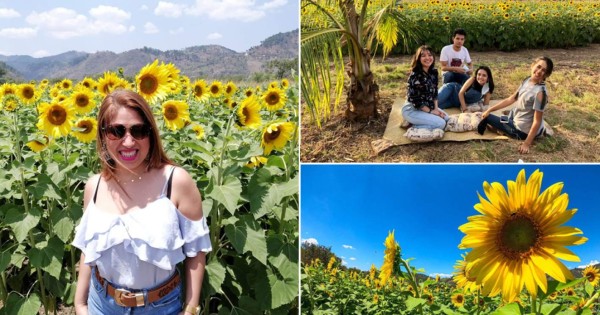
pixel 211 61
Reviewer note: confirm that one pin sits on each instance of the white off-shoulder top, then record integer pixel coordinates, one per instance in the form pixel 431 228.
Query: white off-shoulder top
pixel 139 249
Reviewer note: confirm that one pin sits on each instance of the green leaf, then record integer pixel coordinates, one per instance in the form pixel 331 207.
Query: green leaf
pixel 21 222
pixel 20 305
pixel 227 194
pixel 63 225
pixel 412 302
pixel 283 291
pixel 282 255
pixel 568 311
pixel 510 309
pixel 48 256
pixel 562 286
pixel 45 187
pixel 5 256
pixel 589 288
pixel 247 235
pixel 215 276
pixel 550 309
pixel 263 199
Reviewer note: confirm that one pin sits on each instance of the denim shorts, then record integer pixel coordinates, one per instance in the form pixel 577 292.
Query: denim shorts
pixel 100 303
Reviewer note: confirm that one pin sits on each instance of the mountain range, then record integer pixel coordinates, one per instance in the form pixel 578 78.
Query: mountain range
pixel 208 61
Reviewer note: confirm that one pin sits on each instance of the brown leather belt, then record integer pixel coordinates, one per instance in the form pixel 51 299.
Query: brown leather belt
pixel 127 298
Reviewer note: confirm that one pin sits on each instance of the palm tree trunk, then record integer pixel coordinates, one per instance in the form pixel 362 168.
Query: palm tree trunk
pixel 363 93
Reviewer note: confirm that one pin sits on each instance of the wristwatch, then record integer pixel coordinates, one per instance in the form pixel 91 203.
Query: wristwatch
pixel 194 310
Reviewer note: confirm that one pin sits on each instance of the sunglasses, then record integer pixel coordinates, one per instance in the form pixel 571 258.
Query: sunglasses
pixel 117 132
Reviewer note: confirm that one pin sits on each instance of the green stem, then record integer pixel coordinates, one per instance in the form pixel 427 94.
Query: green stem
pixel 534 304
pixel 40 277
pixel 3 290
pixel 413 282
pixel 478 301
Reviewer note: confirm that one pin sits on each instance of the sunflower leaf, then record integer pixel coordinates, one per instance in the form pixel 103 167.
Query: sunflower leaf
pixel 413 302
pixel 551 309
pixel 510 309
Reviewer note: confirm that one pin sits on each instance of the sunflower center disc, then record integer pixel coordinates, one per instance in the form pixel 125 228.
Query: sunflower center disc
pixel 518 236
pixel 273 99
pixel 86 126
pixel 148 84
pixel 198 91
pixel 57 115
pixel 28 93
pixel 171 113
pixel 273 135
pixel 82 101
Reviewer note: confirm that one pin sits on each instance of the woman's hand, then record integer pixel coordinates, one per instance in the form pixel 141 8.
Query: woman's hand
pixel 463 108
pixel 438 113
pixel 524 148
pixel 485 114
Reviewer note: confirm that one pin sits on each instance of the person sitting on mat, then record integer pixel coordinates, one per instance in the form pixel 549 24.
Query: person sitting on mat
pixel 478 87
pixel 525 121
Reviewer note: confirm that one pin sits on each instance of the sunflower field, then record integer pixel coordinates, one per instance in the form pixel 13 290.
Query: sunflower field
pixel 238 142
pixel 512 265
pixel 490 25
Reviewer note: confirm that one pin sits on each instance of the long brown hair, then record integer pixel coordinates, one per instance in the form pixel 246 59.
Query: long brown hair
pixel 416 65
pixel 108 109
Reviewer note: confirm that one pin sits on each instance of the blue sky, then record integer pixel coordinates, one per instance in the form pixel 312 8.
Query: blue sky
pixel 43 28
pixel 351 208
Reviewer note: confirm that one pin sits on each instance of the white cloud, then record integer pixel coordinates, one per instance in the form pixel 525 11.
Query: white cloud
pixel 353 258
pixel 273 4
pixel 176 31
pixel 311 240
pixel 40 54
pixel 63 23
pixel 243 10
pixel 442 275
pixel 169 9
pixel 345 263
pixel 593 262
pixel 213 36
pixel 347 246
pixel 25 32
pixel 150 28
pixel 8 13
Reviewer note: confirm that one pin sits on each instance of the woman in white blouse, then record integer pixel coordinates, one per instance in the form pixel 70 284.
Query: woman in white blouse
pixel 143 216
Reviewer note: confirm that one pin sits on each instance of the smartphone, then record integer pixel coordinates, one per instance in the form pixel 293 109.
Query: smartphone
pixel 504 119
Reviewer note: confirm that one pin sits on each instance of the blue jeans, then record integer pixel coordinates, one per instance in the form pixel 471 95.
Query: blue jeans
pixel 421 119
pixel 448 95
pixel 100 303
pixel 508 128
pixel 459 78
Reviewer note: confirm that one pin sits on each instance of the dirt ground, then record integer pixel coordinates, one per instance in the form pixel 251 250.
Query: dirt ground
pixel 342 141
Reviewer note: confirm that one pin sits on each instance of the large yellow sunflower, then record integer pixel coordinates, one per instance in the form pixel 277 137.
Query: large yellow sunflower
pixel 592 274
pixel 200 90
pixel 198 130
pixel 274 99
pixel 110 82
pixel 153 82
pixel 463 279
pixel 519 237
pixel 83 100
pixel 175 113
pixel 248 113
pixel 10 102
pixel 87 128
pixel 230 88
pixel 65 84
pixel 27 93
pixel 276 135
pixel 37 145
pixel 8 88
pixel 458 299
pixel 88 83
pixel 390 259
pixel 56 119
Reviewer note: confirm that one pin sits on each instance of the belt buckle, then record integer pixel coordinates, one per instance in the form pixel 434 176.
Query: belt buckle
pixel 119 293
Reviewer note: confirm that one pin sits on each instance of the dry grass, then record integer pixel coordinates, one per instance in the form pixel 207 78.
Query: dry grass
pixel 572 112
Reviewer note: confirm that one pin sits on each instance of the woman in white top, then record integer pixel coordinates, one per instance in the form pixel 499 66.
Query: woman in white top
pixel 143 216
pixel 478 88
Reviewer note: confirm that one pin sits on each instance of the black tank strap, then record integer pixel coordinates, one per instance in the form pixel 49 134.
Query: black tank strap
pixel 169 183
pixel 97 185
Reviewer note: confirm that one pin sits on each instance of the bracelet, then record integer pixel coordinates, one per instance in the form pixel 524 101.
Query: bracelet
pixel 194 310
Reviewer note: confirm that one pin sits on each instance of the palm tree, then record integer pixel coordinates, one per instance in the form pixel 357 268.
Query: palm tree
pixel 330 28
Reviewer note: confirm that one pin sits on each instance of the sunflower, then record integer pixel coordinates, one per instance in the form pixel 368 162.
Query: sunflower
pixel 273 85
pixel 390 258
pixel 274 99
pixel 65 84
pixel 56 119
pixel 83 100
pixel 153 82
pixel 215 88
pixel 198 130
pixel 175 113
pixel 10 102
pixel 592 274
pixel 230 88
pixel 184 83
pixel 200 90
pixel 88 83
pixel 429 298
pixel 248 113
pixel 330 263
pixel 87 128
pixel 276 135
pixel 462 277
pixel 248 92
pixel 458 299
pixel 285 83
pixel 37 145
pixel 27 93
pixel 518 237
pixel 256 161
pixel 110 82
pixel 8 88
pixel 372 272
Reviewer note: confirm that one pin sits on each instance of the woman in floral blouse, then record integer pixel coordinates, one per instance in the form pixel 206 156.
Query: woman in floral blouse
pixel 421 109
